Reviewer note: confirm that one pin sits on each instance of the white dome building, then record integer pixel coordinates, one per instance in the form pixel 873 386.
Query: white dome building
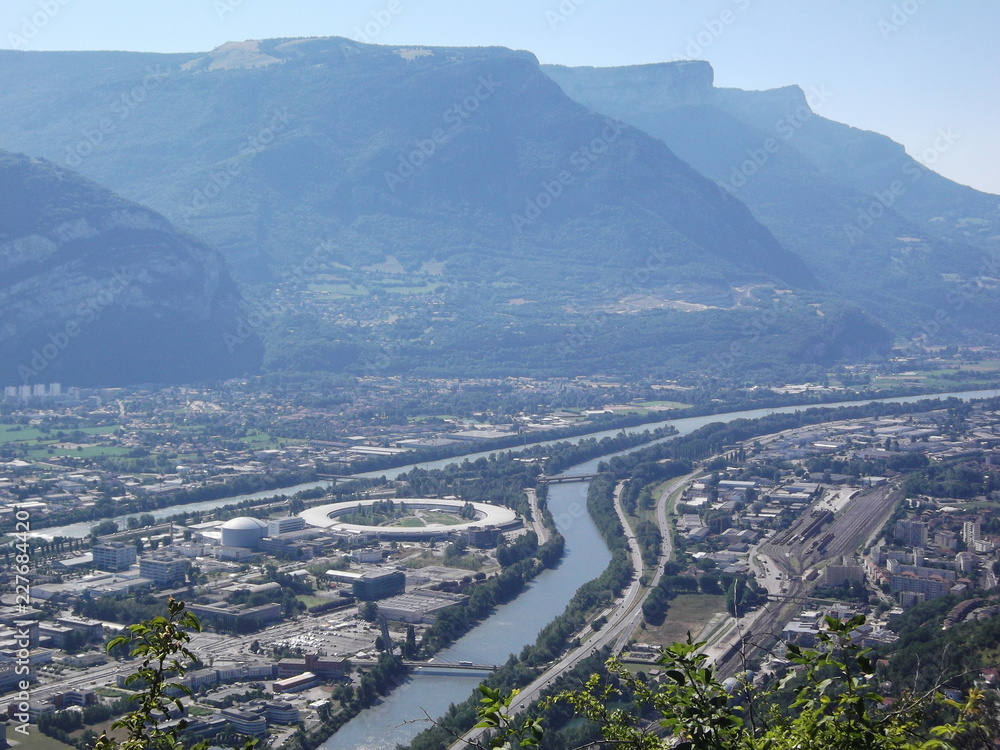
pixel 243 532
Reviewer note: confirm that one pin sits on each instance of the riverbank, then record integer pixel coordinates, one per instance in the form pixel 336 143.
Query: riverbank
pixel 683 424
pixel 700 444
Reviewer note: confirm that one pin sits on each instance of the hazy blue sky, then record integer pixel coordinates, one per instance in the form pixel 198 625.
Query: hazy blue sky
pixel 906 68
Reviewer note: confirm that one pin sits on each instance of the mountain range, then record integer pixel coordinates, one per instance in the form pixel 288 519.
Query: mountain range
pixel 470 212
pixel 877 226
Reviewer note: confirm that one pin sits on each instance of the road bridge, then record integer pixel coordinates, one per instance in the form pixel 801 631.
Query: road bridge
pixel 566 478
pixel 464 665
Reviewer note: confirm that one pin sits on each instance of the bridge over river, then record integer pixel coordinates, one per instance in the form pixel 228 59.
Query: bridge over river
pixel 566 478
pixel 463 665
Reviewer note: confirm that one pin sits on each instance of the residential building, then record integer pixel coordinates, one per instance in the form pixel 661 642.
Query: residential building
pixel 837 575
pixel 970 533
pixel 931 588
pixel 910 533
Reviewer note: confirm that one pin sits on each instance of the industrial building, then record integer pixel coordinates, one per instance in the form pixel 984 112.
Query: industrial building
pixel 243 532
pixel 482 538
pixel 487 516
pixel 418 606
pixel 284 525
pixel 296 683
pixel 379 586
pixel 113 556
pixel 236 618
pixel 164 569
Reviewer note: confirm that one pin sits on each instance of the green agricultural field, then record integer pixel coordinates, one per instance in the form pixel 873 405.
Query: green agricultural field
pixel 961 376
pixel 46 450
pixel 648 407
pixel 339 290
pixel 261 440
pixel 15 433
pixel 666 405
pixel 424 289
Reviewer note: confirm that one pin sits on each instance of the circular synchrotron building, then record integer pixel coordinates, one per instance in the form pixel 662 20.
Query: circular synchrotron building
pixel 488 517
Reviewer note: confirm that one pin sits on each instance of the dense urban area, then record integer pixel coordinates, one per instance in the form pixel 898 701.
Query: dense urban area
pixel 317 602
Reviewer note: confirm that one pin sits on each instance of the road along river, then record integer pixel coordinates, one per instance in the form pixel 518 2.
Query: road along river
pixel 403 713
pixel 683 425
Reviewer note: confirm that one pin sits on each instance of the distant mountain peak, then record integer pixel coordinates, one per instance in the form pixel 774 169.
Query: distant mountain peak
pixel 873 224
pixel 685 82
pixel 233 56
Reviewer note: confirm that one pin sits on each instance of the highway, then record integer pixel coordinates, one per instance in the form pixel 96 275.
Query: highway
pixel 536 517
pixel 623 616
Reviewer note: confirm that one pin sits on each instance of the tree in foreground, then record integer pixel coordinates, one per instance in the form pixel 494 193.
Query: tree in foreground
pixel 161 643
pixel 837 707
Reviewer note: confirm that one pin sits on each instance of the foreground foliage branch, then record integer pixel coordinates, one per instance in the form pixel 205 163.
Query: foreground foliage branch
pixel 507 733
pixel 837 706
pixel 161 643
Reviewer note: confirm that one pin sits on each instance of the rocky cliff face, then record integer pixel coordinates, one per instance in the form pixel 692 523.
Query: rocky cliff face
pixel 874 225
pixel 471 157
pixel 96 290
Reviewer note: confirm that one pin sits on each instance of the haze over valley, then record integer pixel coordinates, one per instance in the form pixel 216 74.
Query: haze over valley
pixel 406 359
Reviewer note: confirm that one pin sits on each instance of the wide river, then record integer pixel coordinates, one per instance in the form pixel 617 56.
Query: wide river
pixel 402 714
